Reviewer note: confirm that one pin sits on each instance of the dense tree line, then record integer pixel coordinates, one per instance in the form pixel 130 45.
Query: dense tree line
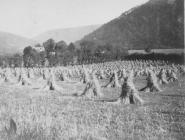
pixel 52 53
pixel 15 60
pixel 59 53
pixel 90 52
pixel 172 58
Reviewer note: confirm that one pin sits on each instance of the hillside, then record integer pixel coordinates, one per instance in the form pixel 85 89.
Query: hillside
pixel 155 24
pixel 67 34
pixel 10 43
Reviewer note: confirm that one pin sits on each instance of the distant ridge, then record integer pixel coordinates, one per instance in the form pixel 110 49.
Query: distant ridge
pixel 155 24
pixel 11 43
pixel 67 34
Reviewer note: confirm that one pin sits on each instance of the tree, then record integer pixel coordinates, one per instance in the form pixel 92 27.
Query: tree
pixel 30 57
pixel 88 49
pixel 17 60
pixel 71 47
pixel 49 47
pixel 61 46
pixel 42 58
pixel 60 50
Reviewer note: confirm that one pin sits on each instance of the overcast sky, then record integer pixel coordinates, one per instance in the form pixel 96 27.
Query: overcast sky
pixel 31 17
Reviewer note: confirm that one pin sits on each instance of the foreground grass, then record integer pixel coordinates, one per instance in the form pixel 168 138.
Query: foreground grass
pixel 49 115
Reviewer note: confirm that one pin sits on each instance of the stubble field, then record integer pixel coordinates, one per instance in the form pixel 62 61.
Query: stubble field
pixel 55 115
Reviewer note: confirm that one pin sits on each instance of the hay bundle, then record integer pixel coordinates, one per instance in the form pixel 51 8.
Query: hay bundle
pixel 12 130
pixel 171 76
pixel 88 87
pixel 102 75
pixel 123 74
pixel 51 83
pixel 61 77
pixel 116 81
pixel 162 77
pixel 14 72
pixel 182 70
pixel 66 77
pixel 6 77
pixel 43 73
pixel 97 87
pixel 113 82
pixel 30 73
pixel 129 94
pixel 22 80
pixel 152 84
pixel 93 87
pixel 85 76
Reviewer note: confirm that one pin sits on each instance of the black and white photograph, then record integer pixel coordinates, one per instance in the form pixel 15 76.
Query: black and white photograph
pixel 92 70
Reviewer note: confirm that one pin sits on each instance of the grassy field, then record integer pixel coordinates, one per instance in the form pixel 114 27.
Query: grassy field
pixel 52 115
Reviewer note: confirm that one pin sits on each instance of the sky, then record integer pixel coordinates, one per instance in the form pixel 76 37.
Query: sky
pixel 29 18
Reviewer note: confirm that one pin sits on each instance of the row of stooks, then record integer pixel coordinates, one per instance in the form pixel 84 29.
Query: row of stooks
pixel 119 74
